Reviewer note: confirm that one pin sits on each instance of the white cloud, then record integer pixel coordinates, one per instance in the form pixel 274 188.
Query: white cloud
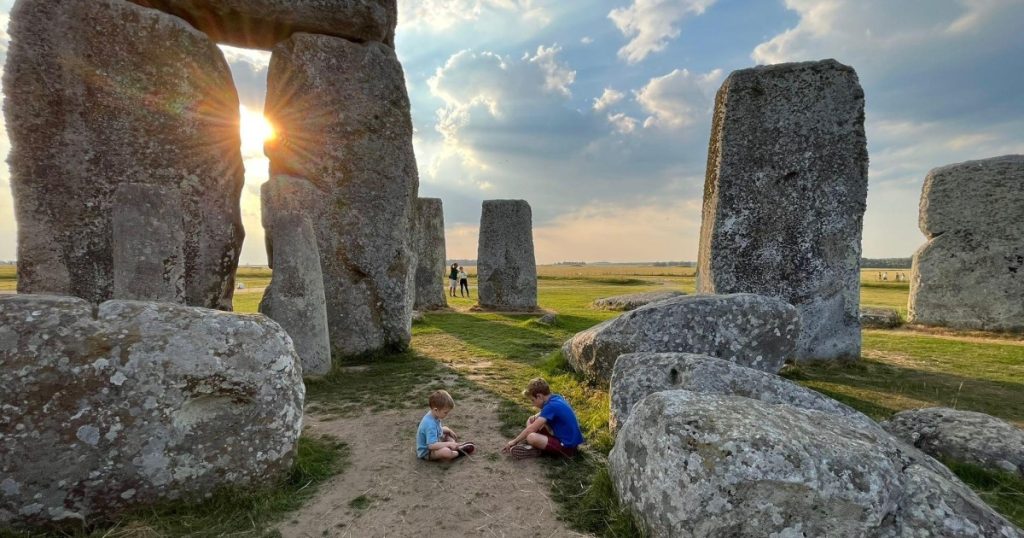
pixel 481 89
pixel 650 24
pixel 557 76
pixel 881 34
pixel 607 99
pixel 443 14
pixel 586 40
pixel 678 99
pixel 623 123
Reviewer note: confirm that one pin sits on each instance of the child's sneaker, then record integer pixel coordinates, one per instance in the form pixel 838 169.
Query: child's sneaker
pixel 522 452
pixel 466 449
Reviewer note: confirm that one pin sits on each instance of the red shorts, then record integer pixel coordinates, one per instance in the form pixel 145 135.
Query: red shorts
pixel 554 447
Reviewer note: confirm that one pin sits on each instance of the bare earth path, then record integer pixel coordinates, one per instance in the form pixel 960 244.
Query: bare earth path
pixel 386 491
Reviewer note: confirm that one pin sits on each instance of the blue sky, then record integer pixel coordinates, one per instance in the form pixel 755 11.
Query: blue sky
pixel 598 112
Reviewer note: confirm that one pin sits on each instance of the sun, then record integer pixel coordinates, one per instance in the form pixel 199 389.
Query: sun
pixel 255 130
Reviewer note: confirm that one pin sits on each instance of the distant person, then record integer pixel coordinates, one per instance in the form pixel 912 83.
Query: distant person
pixel 453 279
pixel 879 276
pixel 885 276
pixel 463 282
pixel 435 441
pixel 554 431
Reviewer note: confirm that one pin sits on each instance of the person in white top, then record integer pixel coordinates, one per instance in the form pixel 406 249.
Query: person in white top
pixel 463 282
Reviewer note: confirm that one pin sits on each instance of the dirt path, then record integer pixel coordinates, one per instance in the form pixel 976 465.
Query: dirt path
pixel 386 491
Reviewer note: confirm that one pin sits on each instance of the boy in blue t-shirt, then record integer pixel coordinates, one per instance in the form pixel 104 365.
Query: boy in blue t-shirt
pixel 554 430
pixel 434 441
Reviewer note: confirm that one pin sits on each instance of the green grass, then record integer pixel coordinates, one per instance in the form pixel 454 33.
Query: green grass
pixel 1002 491
pixel 497 353
pixel 232 511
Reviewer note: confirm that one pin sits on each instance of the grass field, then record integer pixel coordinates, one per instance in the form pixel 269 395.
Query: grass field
pixel 900 369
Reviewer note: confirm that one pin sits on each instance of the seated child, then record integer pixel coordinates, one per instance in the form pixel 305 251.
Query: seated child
pixel 553 431
pixel 434 441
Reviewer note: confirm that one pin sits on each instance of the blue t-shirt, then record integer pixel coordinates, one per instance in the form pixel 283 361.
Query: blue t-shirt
pixel 428 433
pixel 562 421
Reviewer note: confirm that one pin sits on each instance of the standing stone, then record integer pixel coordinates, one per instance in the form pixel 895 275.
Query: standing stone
pixel 112 407
pixel 342 116
pixel 261 24
pixel 785 195
pixel 148 243
pixel 428 244
pixel 970 273
pixel 101 93
pixel 295 297
pixel 506 267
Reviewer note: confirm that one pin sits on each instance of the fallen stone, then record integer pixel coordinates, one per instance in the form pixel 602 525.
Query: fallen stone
pixel 632 301
pixel 295 297
pixel 261 24
pixel 962 436
pixel 637 375
pixel 428 244
pixel 358 151
pixel 750 330
pixel 506 267
pixel 970 273
pixel 880 318
pixel 148 244
pixel 689 464
pixel 548 319
pixel 96 98
pixel 137 403
pixel 784 202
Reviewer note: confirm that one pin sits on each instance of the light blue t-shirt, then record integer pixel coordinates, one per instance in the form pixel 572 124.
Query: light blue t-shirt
pixel 428 433
pixel 562 420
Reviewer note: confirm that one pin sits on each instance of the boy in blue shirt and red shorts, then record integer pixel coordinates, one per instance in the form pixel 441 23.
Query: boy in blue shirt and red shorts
pixel 554 431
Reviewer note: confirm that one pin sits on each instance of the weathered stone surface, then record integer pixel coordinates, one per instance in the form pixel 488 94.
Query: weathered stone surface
pixel 295 297
pixel 750 330
pixel 637 375
pixel 506 267
pixel 879 318
pixel 970 274
pixel 632 301
pixel 148 243
pixel 261 24
pixel 548 319
pixel 428 244
pixel 785 195
pixel 986 194
pixel 963 436
pixel 135 403
pixel 103 92
pixel 342 116
pixel 709 465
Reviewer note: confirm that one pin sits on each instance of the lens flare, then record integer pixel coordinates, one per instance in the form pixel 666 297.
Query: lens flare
pixel 255 130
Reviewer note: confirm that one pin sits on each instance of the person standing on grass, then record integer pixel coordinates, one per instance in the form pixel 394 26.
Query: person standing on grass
pixel 463 282
pixel 453 279
pixel 554 431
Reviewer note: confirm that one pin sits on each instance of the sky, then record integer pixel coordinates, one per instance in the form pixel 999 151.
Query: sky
pixel 597 112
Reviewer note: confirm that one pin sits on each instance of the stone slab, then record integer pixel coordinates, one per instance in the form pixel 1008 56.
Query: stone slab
pixel 115 407
pixel 785 195
pixel 429 246
pixel 261 24
pixel 506 264
pixel 101 93
pixel 343 122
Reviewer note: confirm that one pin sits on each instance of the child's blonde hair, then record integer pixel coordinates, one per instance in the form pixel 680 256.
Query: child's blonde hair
pixel 537 386
pixel 440 399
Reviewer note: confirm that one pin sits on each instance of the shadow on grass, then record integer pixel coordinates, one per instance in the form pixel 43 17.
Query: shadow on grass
pixel 893 383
